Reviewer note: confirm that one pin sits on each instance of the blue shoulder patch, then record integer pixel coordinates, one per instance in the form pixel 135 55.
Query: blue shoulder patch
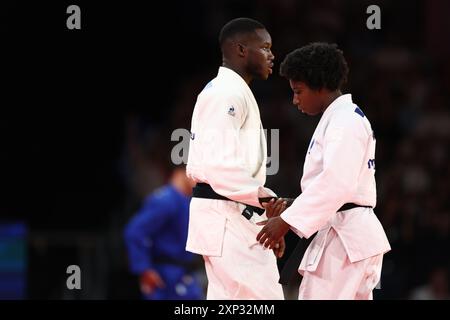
pixel 209 85
pixel 359 111
pixel 311 145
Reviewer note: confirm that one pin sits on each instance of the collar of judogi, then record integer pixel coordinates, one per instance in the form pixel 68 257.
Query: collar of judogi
pixel 232 75
pixel 343 99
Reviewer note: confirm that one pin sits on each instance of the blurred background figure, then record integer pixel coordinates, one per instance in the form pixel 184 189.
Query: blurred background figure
pixel 155 240
pixel 13 258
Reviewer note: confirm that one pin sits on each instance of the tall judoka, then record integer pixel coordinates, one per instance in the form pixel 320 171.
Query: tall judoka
pixel 155 238
pixel 344 259
pixel 227 157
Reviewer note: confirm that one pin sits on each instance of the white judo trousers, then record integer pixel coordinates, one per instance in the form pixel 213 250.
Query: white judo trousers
pixel 237 266
pixel 337 278
pixel 242 273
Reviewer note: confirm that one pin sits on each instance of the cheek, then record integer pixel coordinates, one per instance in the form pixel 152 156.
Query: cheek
pixel 305 99
pixel 302 99
pixel 260 59
pixel 255 62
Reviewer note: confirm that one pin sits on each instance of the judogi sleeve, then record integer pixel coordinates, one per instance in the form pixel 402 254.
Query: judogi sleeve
pixel 344 147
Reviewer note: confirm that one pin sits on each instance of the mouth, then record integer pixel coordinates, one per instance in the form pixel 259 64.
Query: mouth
pixel 270 66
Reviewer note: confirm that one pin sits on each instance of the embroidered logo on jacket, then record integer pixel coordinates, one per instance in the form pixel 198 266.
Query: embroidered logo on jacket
pixel 231 111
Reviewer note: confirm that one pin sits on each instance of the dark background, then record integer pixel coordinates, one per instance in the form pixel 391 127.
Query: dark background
pixel 86 118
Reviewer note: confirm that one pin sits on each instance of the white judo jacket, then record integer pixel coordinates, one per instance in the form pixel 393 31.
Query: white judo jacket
pixel 228 151
pixel 339 168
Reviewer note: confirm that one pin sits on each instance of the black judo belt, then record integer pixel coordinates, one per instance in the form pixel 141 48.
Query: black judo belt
pixel 293 262
pixel 204 190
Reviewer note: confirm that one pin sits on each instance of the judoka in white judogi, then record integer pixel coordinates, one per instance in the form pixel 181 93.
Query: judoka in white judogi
pixel 228 151
pixel 344 259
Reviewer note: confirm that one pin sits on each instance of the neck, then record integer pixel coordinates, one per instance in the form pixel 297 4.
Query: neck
pixel 329 98
pixel 238 69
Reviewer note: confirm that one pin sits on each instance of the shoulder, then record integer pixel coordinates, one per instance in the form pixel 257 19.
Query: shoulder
pixel 223 87
pixel 218 89
pixel 351 113
pixel 162 197
pixel 219 99
pixel 350 118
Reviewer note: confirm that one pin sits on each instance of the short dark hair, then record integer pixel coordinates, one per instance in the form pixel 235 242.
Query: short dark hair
pixel 236 26
pixel 319 65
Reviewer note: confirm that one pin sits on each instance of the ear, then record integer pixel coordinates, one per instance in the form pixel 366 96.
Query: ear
pixel 242 50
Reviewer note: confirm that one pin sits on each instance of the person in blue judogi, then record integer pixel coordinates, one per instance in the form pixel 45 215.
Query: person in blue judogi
pixel 155 239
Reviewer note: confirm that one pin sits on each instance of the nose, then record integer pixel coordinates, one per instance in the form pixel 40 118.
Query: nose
pixel 295 100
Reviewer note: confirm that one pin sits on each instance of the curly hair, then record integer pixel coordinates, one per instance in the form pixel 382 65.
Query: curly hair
pixel 319 65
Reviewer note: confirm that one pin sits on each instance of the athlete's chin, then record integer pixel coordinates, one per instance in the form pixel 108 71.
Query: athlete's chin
pixel 311 113
pixel 263 75
pixel 307 112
